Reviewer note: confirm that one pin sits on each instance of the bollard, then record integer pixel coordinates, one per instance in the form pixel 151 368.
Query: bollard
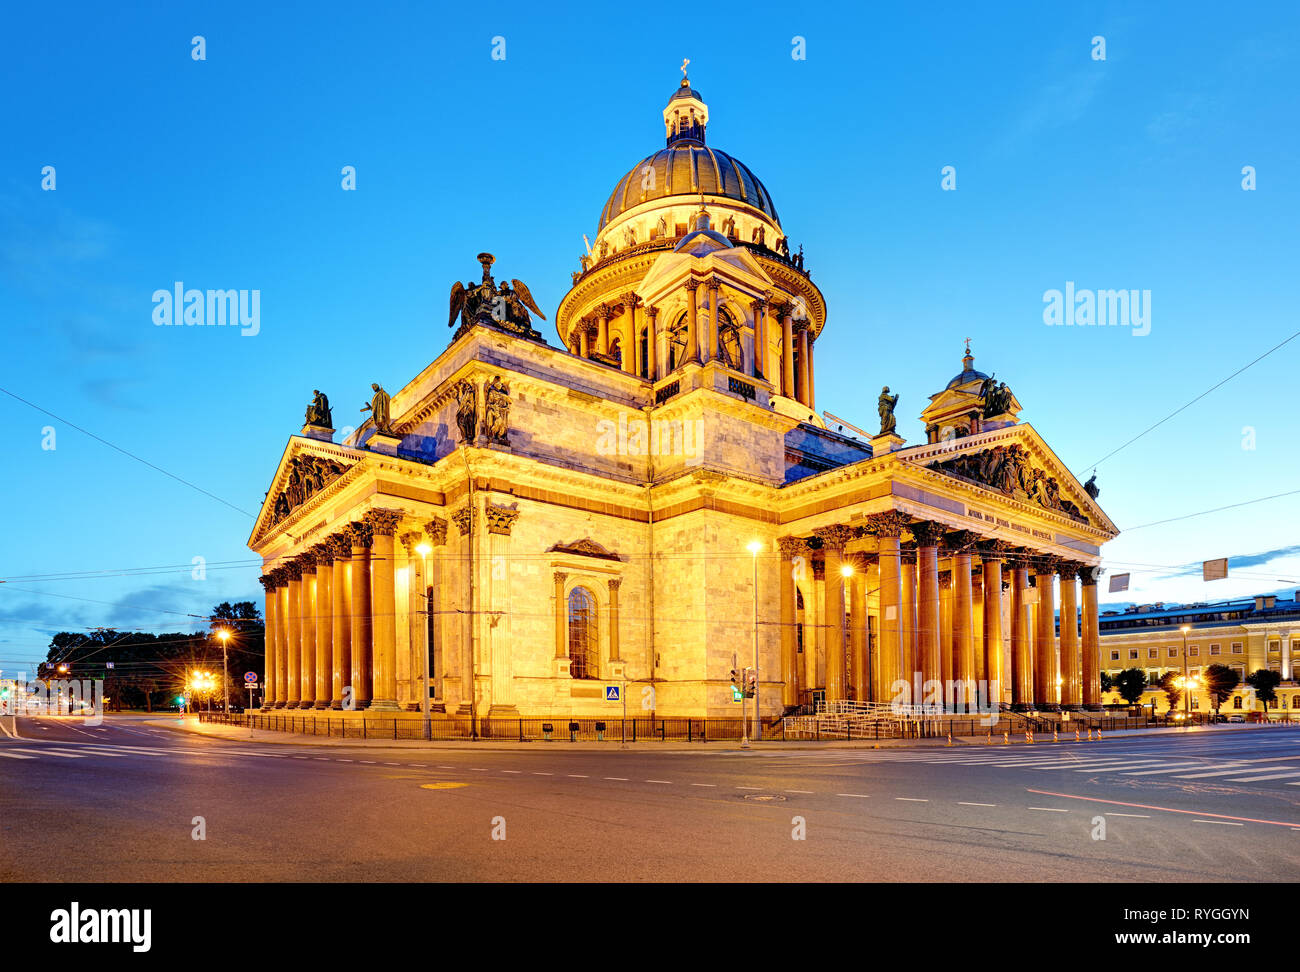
pixel 950 738
pixel 1076 735
pixel 1029 736
pixel 988 736
pixel 1055 738
pixel 1006 739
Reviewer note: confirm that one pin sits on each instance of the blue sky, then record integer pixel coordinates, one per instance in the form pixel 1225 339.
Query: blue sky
pixel 225 173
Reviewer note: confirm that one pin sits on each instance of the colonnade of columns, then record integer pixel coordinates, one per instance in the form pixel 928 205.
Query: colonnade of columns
pixel 934 638
pixel 616 327
pixel 331 615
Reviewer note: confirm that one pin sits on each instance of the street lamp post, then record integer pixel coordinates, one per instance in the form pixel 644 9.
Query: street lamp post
pixel 1187 712
pixel 224 635
pixel 846 571
pixel 754 547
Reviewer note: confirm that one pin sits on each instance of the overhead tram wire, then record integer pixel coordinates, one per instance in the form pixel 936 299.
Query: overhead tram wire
pixel 124 452
pixel 1189 404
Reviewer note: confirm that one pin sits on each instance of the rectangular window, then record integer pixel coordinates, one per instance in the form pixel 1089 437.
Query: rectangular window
pixel 1236 648
pixel 1240 670
pixel 1153 652
pixel 1214 649
pixel 1236 701
pixel 1194 650
pixel 1196 702
pixel 1272 646
pixel 1133 653
pixel 1173 652
pixel 1195 672
pixel 1114 656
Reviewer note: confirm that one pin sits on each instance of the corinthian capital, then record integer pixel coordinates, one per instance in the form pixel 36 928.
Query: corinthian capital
pixel 436 531
pixel 888 525
pixel 927 534
pixel 383 523
pixel 791 546
pixel 500 518
pixel 834 537
pixel 359 534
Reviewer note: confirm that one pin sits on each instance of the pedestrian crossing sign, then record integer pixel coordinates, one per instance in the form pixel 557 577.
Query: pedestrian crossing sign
pixel 611 693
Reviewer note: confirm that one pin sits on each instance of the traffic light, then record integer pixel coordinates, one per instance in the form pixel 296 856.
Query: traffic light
pixel 751 683
pixel 735 678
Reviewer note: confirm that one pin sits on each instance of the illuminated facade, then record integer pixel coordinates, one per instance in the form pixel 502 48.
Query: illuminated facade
pixel 541 522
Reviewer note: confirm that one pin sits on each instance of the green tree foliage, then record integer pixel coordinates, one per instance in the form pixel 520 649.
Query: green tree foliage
pixel 1168 684
pixel 1107 683
pixel 1130 684
pixel 1265 683
pixel 149 670
pixel 1220 681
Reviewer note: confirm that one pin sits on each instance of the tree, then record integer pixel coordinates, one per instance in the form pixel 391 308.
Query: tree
pixel 1168 684
pixel 1219 683
pixel 1264 682
pixel 1107 683
pixel 1130 684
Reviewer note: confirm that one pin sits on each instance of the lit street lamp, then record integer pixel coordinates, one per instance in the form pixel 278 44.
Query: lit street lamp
pixel 224 635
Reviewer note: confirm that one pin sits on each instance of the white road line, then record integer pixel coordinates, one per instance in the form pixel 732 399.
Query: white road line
pixel 1221 823
pixel 446 767
pixel 51 752
pixel 1271 776
pixel 659 781
pixel 860 796
pixel 704 784
pixel 1229 772
pixel 749 788
pixel 477 769
pixel 962 803
pixel 392 764
pixel 1145 815
pixel 10 755
pixel 912 799
pixel 371 762
pixel 1048 809
pixel 327 759
pixel 535 773
pixel 798 791
pixel 576 776
pixel 345 760
pixel 1119 767
pixel 1155 772
pixel 620 779
pixel 520 771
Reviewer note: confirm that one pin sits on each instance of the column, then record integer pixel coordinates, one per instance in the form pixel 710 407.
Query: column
pixel 790 548
pixel 631 340
pixel 561 617
pixel 341 619
pixel 417 621
pixel 833 540
pixel 1047 663
pixel 614 584
pixel 362 622
pixel 1022 668
pixel 383 527
pixel 963 634
pixel 991 559
pixel 324 553
pixel 909 654
pixel 269 584
pixel 692 322
pixel 652 340
pixel 307 619
pixel 1071 676
pixel 945 636
pixel 293 570
pixel 927 608
pixel 602 329
pixel 888 527
pixel 801 380
pixel 811 393
pixel 858 633
pixel 1091 639
pixel 282 637
pixel 787 352
pixel 584 341
pixel 759 308
pixel 436 531
pixel 713 319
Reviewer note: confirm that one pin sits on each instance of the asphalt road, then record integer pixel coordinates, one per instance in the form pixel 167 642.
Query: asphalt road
pixel 120 803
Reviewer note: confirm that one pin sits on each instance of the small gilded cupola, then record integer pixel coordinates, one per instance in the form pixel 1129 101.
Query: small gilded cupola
pixel 686 115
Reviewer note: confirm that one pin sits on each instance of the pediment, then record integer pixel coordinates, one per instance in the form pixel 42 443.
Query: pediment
pixel 1018 465
pixel 308 470
pixel 737 266
pixel 586 547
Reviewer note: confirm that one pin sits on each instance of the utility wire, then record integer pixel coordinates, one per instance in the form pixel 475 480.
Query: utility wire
pixel 130 455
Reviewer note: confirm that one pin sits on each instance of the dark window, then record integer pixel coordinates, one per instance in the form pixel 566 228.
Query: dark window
pixel 584 635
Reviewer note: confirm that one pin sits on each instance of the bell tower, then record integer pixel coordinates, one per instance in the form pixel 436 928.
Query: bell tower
pixel 686 114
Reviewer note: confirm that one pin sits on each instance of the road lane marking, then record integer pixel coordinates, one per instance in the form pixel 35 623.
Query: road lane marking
pixel 1221 823
pixel 442 786
pixel 704 784
pixel 1272 776
pixel 370 762
pixel 962 803
pixel 51 752
pixel 1147 806
pixel 345 760
pixel 620 779
pixel 519 771
pixel 912 799
pixel 1145 816
pixel 535 773
pixel 1228 772
pixel 749 788
pixel 1174 769
pixel 860 796
pixel 14 755
pixel 575 776
pixel 798 791
pixel 659 781
pixel 1049 809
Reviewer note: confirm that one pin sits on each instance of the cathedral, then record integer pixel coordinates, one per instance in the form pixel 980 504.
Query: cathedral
pixel 647 498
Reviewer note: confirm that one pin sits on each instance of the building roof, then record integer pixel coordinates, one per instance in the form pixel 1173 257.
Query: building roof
pixel 688 169
pixel 1245 610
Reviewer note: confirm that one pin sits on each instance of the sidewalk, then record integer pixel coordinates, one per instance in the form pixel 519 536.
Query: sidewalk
pixel 274 737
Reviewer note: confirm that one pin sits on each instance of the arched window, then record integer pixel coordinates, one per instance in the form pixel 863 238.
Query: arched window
pixel 730 351
pixel 584 636
pixel 645 353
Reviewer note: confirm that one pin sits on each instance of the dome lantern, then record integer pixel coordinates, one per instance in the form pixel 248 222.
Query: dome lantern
pixel 686 114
